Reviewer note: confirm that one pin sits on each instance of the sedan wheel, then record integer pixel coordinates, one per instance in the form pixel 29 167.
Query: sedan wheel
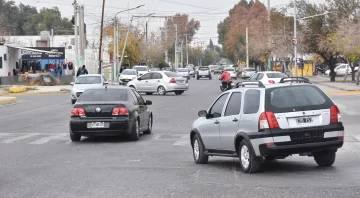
pixel 161 90
pixel 135 134
pixel 149 130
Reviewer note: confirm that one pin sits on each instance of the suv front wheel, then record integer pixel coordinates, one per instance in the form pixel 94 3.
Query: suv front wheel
pixel 198 151
pixel 248 161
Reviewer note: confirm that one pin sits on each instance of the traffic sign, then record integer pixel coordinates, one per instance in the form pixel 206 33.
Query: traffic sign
pixel 299 60
pixel 295 41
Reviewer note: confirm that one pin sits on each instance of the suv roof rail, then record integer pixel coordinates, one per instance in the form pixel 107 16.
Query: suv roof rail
pixel 295 80
pixel 243 84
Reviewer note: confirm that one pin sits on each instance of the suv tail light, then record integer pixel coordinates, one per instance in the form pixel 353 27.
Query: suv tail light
pixel 334 114
pixel 271 82
pixel 267 120
pixel 120 111
pixel 77 112
pixel 172 80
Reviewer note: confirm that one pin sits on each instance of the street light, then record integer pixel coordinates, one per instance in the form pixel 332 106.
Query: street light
pixel 114 68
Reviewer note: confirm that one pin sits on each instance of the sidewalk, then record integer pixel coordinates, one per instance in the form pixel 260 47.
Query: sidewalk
pixel 7 100
pixel 39 90
pixel 340 84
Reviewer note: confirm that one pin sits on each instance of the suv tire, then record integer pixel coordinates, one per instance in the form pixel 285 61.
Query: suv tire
pixel 198 151
pixel 325 158
pixel 248 161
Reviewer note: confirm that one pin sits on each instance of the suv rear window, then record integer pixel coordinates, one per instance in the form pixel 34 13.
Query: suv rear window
pixel 92 95
pixel 296 98
pixel 276 75
pixel 252 101
pixel 203 68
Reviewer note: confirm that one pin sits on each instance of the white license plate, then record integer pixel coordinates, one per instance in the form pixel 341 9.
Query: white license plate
pixel 96 125
pixel 181 82
pixel 203 76
pixel 304 120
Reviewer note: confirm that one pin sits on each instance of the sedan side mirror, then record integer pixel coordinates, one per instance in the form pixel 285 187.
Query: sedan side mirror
pixel 148 102
pixel 106 83
pixel 202 113
pixel 72 83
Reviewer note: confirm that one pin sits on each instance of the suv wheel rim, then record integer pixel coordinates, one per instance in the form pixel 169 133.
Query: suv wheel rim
pixel 196 149
pixel 161 90
pixel 244 154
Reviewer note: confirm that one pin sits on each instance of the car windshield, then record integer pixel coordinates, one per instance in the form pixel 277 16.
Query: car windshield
pixel 140 68
pixel 88 80
pixel 129 72
pixel 296 98
pixel 276 75
pixel 100 95
pixel 182 70
pixel 203 68
pixel 171 74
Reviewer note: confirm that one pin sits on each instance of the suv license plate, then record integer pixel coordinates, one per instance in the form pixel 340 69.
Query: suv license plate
pixel 304 120
pixel 96 125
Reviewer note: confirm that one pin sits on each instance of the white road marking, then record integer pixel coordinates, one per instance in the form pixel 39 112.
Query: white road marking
pixel 11 140
pixel 24 112
pixel 48 139
pixel 182 143
pixel 344 109
pixel 357 137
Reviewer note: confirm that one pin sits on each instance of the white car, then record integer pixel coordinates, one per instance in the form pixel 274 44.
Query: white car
pixel 127 75
pixel 184 72
pixel 269 77
pixel 141 70
pixel 160 82
pixel 84 82
pixel 248 72
pixel 340 70
pixel 232 72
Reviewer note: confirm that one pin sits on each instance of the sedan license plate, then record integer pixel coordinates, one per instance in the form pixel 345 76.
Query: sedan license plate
pixel 304 120
pixel 96 125
pixel 203 76
pixel 181 82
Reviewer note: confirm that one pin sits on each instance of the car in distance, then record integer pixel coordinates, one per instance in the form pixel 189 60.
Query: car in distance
pixel 110 112
pixel 232 72
pixel 218 70
pixel 248 72
pixel 184 72
pixel 127 75
pixel 257 122
pixel 191 69
pixel 203 72
pixel 141 69
pixel 84 82
pixel 161 82
pixel 269 77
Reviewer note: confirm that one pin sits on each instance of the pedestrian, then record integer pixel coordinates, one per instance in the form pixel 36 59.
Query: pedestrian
pixel 121 69
pixel 82 71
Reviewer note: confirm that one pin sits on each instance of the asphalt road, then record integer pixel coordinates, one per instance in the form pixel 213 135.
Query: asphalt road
pixel 39 160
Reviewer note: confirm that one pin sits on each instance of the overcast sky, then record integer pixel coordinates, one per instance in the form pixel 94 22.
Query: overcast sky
pixel 208 12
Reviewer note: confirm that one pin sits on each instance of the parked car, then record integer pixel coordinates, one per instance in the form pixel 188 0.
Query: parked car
pixel 184 72
pixel 127 75
pixel 85 82
pixel 203 72
pixel 257 122
pixel 340 70
pixel 232 72
pixel 161 82
pixel 141 69
pixel 248 72
pixel 154 69
pixel 110 112
pixel 269 77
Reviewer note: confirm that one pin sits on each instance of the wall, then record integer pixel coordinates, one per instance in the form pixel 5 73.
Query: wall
pixel 13 56
pixel 307 71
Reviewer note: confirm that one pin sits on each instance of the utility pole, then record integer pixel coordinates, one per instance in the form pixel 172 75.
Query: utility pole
pixel 181 54
pixel 269 32
pixel 101 35
pixel 295 37
pixel 76 37
pixel 82 35
pixel 126 39
pixel 187 49
pixel 247 47
pixel 52 38
pixel 146 43
pixel 176 45
pixel 113 69
pixel 166 35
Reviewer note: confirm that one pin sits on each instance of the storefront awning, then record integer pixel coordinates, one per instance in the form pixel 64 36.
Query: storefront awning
pixel 30 49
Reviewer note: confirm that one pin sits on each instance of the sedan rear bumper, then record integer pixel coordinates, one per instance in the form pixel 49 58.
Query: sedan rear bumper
pixel 176 87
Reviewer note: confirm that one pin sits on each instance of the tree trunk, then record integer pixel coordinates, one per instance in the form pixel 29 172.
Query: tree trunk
pixel 357 77
pixel 332 67
pixel 347 70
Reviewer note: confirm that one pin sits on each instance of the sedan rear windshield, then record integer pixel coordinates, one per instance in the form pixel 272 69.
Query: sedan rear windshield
pixel 129 72
pixel 203 68
pixel 103 95
pixel 88 80
pixel 276 75
pixel 171 74
pixel 183 70
pixel 296 98
pixel 141 68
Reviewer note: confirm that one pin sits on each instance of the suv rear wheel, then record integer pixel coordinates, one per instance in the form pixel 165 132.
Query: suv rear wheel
pixel 198 151
pixel 248 161
pixel 325 158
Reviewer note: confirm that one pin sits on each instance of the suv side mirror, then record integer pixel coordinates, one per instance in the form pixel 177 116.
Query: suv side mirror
pixel 148 102
pixel 202 113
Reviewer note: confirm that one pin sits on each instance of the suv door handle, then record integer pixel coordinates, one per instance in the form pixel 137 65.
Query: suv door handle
pixel 235 120
pixel 158 81
pixel 216 122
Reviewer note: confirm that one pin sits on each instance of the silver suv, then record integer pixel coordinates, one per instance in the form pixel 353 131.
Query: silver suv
pixel 257 122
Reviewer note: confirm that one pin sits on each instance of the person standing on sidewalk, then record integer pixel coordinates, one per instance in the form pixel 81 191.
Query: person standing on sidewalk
pixel 82 71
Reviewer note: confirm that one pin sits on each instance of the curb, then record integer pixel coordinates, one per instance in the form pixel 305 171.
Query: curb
pixel 8 101
pixel 335 87
pixel 36 93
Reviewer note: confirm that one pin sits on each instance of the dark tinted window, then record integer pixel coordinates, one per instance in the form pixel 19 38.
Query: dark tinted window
pixel 252 101
pixel 156 76
pixel 137 68
pixel 203 68
pixel 140 99
pixel 217 108
pixel 296 98
pixel 129 72
pixel 260 76
pixel 276 75
pixel 146 76
pixel 88 80
pixel 133 98
pixel 103 95
pixel 234 105
pixel 171 74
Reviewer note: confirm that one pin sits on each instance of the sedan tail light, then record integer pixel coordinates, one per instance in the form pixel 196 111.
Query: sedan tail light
pixel 172 80
pixel 77 112
pixel 120 111
pixel 271 82
pixel 335 116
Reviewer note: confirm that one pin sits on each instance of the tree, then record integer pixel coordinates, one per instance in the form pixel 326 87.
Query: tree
pixel 211 45
pixel 4 24
pixel 209 57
